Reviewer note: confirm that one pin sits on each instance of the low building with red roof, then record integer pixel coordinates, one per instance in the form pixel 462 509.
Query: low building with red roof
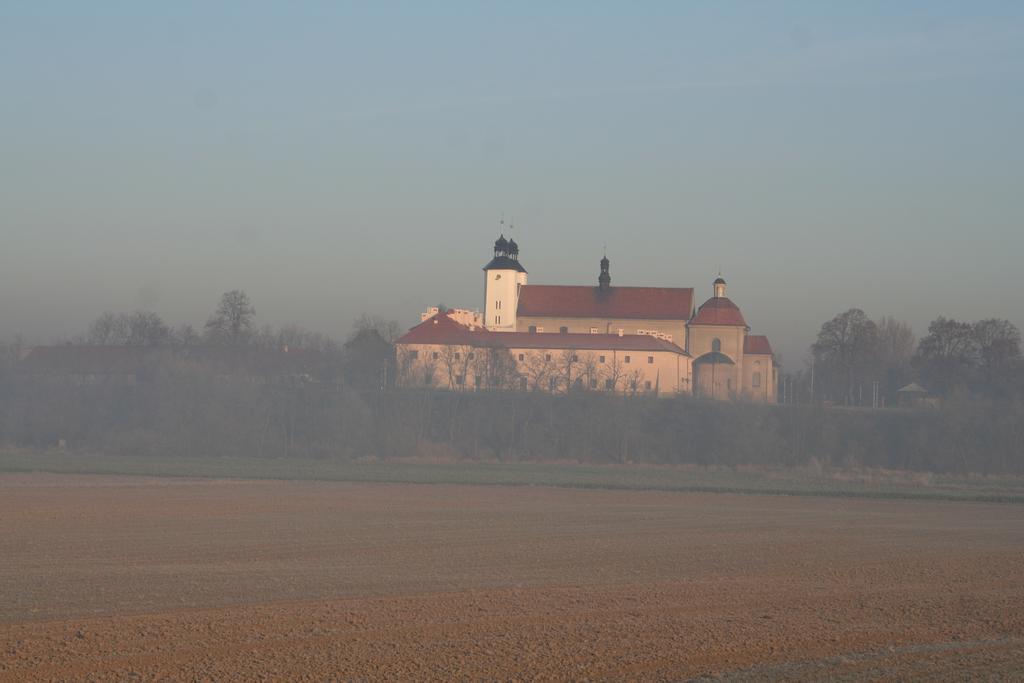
pixel 556 337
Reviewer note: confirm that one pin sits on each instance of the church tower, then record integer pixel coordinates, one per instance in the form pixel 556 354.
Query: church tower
pixel 503 277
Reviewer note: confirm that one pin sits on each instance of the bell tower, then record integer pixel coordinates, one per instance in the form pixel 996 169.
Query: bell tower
pixel 503 277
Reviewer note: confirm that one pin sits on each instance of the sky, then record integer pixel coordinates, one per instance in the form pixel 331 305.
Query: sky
pixel 333 159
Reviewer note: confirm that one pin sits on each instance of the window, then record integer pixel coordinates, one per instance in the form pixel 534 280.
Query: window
pixel 650 360
pixel 593 330
pixel 593 383
pixel 435 355
pixel 625 359
pixel 575 358
pixel 757 379
pixel 460 379
pixel 533 330
pixel 497 320
pixel 563 330
pixel 547 357
pixel 522 357
pixel 478 380
pixel 523 384
pixel 457 355
pixel 609 384
pixel 716 344
pixel 647 385
pixel 497 305
pixel 553 383
pixel 600 359
pixel 414 354
pixel 470 356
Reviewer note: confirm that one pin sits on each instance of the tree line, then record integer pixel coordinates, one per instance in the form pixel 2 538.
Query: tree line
pixel 852 352
pixel 352 407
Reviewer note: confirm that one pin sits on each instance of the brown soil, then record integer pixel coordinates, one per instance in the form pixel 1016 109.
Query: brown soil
pixel 111 578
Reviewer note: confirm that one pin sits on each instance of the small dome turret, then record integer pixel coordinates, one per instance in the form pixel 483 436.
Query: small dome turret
pixel 719 286
pixel 501 246
pixel 513 249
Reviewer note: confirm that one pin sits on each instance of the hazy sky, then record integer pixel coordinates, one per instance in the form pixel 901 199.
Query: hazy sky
pixel 332 159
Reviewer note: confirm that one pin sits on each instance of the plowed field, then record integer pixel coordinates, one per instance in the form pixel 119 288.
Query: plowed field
pixel 118 578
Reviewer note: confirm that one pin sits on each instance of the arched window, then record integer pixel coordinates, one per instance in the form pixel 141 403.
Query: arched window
pixel 757 379
pixel 716 344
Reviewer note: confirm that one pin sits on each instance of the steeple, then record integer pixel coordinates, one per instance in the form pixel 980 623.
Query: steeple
pixel 719 287
pixel 604 280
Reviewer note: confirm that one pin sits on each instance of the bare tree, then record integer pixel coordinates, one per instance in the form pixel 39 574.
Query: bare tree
pixel 540 369
pixel 145 328
pixel 948 355
pixel 389 330
pixel 106 330
pixel 846 349
pixel 232 323
pixel 138 328
pixel 569 360
pixel 611 373
pixel 589 370
pixel 186 335
pixel 631 381
pixel 896 342
pixel 495 367
pixel 998 349
pixel 456 359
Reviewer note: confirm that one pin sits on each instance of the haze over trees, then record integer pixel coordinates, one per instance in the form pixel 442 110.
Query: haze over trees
pixel 298 393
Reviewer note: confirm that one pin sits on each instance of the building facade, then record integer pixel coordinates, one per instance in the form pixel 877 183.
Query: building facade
pixel 603 338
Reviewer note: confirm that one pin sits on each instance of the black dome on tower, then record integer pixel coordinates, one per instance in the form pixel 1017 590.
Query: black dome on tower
pixel 506 256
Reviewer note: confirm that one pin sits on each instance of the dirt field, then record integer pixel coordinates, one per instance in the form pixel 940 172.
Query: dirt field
pixel 114 578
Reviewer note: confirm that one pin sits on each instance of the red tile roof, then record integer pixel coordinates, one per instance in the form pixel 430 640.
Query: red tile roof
pixel 441 329
pixel 718 311
pixel 576 301
pixel 757 344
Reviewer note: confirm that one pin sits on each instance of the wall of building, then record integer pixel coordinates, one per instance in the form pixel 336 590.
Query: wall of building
pixel 764 365
pixel 728 379
pixel 555 370
pixel 501 298
pixel 674 328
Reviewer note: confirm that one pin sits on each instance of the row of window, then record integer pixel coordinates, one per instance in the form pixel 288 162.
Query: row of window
pixel 553 382
pixel 435 355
